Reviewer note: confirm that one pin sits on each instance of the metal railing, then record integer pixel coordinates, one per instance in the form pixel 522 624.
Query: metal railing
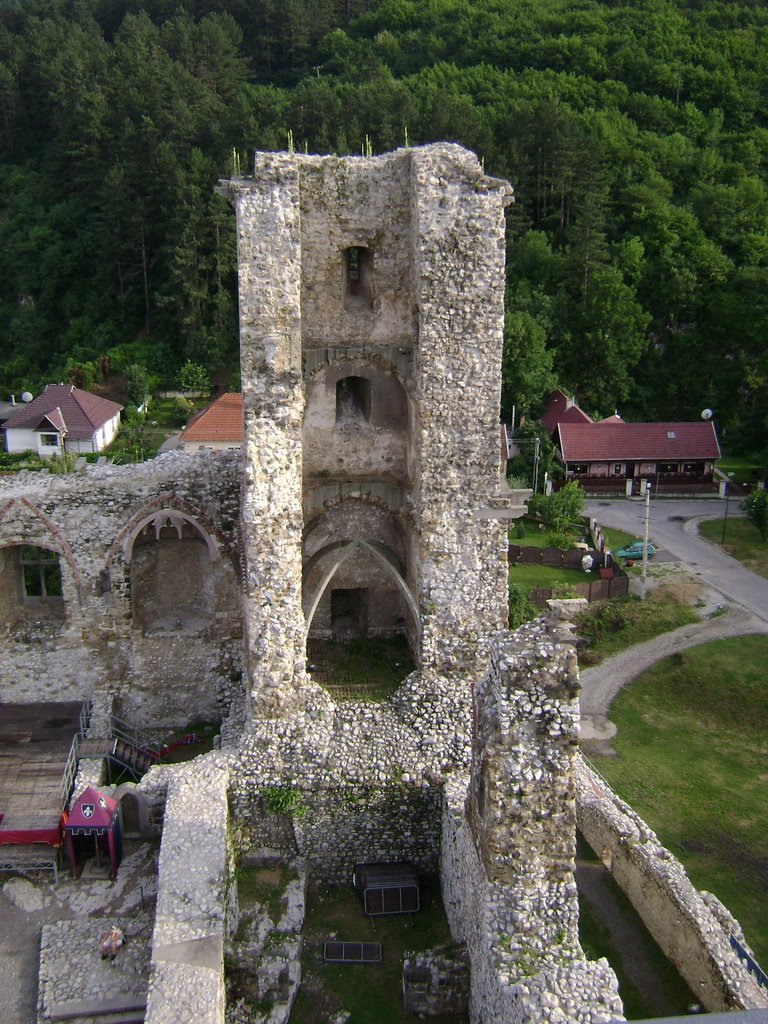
pixel 85 714
pixel 749 962
pixel 70 771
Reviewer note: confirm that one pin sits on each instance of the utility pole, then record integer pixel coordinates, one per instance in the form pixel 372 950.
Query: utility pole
pixel 645 537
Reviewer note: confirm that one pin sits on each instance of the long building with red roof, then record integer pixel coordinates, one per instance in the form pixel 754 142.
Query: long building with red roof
pixel 611 452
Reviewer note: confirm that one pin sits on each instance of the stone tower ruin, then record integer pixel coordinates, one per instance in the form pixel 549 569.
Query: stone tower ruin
pixel 371 316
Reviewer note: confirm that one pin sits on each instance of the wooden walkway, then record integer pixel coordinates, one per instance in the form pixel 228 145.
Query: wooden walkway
pixel 34 743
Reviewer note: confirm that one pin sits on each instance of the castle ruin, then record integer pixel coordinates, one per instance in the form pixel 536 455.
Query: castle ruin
pixel 370 500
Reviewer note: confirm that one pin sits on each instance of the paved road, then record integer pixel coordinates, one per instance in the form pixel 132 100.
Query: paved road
pixel 673 528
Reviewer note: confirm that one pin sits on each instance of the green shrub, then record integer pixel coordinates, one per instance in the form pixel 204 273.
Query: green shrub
pixel 520 529
pixel 520 608
pixel 560 540
pixel 181 410
pixel 518 483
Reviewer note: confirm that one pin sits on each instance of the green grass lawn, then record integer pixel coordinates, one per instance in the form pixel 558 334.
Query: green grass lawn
pixel 742 541
pixel 529 576
pixel 613 626
pixel 690 758
pixel 745 471
pixel 537 535
pixel 371 993
pixel 616 539
pixel 367 668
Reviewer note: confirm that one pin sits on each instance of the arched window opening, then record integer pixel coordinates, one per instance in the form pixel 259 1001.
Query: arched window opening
pixel 353 400
pixel 358 275
pixel 171 580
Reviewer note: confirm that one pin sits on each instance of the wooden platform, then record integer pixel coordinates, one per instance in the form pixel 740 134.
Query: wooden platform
pixel 34 743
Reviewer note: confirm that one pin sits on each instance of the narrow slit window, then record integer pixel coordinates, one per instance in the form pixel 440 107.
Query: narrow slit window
pixel 358 278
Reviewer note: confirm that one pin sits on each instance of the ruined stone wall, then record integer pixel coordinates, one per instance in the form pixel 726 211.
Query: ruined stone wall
pixel 692 928
pixel 459 567
pixel 269 268
pixel 337 827
pixel 509 843
pixel 194 888
pixel 167 650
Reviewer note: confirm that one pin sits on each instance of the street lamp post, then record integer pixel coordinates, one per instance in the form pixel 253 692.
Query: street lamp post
pixel 727 496
pixel 645 537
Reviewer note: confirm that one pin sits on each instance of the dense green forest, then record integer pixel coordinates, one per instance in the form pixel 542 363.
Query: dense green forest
pixel 635 133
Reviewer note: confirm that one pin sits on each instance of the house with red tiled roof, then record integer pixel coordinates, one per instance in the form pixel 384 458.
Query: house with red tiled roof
pixel 219 426
pixel 63 418
pixel 614 456
pixel 562 409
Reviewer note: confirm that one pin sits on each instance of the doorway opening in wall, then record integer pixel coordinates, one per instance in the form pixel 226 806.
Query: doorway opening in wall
pixel 349 612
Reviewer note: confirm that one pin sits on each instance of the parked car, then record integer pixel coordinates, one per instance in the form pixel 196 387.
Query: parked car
pixel 634 552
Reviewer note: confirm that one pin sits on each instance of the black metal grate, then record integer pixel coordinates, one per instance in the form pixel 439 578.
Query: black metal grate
pixel 352 952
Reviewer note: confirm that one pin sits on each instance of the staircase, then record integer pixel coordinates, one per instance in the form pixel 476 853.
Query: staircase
pixel 124 747
pixel 121 752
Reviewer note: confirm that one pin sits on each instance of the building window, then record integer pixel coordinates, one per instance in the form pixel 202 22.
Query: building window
pixel 358 273
pixel 693 467
pixel 667 467
pixel 353 400
pixel 618 468
pixel 40 573
pixel 581 468
pixel 49 440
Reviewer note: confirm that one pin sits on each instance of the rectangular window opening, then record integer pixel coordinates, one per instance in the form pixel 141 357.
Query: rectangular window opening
pixel 353 400
pixel 40 573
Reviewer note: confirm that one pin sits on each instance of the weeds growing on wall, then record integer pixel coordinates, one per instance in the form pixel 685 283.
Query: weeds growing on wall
pixel 284 800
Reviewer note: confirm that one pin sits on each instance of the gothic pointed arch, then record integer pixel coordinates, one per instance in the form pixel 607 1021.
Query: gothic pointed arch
pixel 341 552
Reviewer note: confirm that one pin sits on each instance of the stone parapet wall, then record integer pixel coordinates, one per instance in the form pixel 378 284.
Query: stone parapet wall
pixel 509 838
pixel 514 980
pixel 691 927
pixel 195 894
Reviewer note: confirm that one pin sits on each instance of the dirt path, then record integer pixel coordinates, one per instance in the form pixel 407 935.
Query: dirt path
pixel 600 685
